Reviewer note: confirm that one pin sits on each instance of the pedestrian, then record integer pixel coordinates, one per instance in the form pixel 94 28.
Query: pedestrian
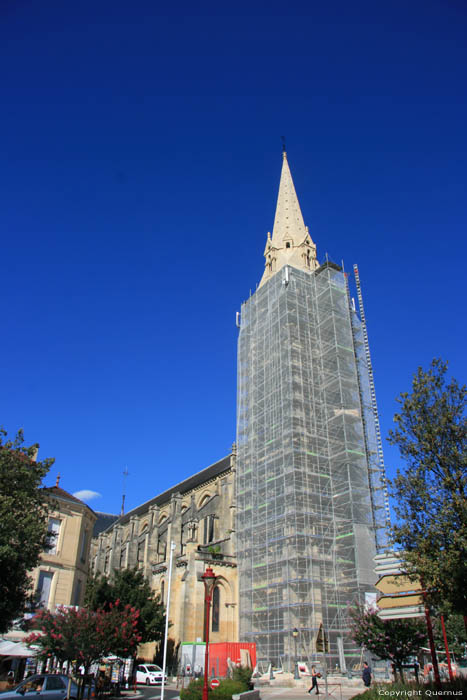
pixel 314 680
pixel 366 674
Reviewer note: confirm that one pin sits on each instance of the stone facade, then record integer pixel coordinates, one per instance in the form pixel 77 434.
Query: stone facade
pixel 60 578
pixel 198 516
pixel 291 243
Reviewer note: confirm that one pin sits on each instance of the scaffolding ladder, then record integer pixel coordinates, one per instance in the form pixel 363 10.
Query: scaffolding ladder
pixel 374 405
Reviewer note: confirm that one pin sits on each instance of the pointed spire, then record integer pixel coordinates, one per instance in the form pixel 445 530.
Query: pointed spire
pixel 291 243
pixel 288 222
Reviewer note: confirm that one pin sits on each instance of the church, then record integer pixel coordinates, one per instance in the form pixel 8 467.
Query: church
pixel 291 519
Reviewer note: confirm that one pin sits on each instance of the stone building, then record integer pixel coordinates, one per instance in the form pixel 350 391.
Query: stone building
pixel 198 516
pixel 60 578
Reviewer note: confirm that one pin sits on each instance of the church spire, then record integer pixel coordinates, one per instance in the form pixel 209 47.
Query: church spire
pixel 291 243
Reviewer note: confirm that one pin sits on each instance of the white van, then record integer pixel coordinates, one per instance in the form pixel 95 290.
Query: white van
pixel 151 674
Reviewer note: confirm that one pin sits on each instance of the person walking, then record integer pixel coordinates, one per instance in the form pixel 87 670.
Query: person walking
pixel 314 680
pixel 366 674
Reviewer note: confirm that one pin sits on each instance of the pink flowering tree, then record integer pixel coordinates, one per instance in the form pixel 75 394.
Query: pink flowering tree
pixel 84 636
pixel 393 640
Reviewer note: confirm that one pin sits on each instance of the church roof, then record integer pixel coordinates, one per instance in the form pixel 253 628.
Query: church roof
pixel 189 484
pixel 104 521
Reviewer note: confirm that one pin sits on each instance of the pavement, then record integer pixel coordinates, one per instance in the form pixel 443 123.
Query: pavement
pixel 338 689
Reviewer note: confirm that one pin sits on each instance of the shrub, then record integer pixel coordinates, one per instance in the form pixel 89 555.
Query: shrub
pixel 226 689
pixel 243 675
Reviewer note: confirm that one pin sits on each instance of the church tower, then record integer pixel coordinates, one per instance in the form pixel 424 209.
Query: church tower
pixel 311 498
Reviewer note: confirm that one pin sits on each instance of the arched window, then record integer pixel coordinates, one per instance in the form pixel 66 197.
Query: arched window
pixel 204 500
pixel 216 609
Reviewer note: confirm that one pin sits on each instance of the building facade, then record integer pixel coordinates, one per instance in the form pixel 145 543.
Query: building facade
pixel 310 478
pixel 198 516
pixel 60 578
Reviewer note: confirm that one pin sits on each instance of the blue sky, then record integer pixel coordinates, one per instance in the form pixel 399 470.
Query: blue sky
pixel 141 154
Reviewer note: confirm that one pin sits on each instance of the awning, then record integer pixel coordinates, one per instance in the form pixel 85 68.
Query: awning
pixel 16 649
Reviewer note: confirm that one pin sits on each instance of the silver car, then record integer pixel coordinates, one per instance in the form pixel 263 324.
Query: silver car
pixel 49 686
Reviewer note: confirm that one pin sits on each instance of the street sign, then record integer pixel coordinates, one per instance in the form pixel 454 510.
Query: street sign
pixel 215 683
pixel 399 601
pixel 402 596
pixel 393 584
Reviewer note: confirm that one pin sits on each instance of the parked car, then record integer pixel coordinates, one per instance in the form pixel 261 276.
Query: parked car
pixel 50 686
pixel 151 674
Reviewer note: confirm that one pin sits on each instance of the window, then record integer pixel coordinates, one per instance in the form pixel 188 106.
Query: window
pixel 53 531
pixel 140 555
pixel 216 609
pixel 208 534
pixel 287 245
pixel 162 591
pixel 55 683
pixel 84 542
pixel 33 685
pixel 43 588
pixel 123 557
pixel 161 550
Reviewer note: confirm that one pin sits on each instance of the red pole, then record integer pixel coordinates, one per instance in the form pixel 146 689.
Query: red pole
pixel 207 600
pixel 429 628
pixel 451 675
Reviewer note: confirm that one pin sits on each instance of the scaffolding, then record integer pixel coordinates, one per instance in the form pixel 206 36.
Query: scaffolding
pixel 309 488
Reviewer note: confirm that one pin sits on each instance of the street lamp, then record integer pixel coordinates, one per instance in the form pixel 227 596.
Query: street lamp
pixel 209 579
pixel 296 674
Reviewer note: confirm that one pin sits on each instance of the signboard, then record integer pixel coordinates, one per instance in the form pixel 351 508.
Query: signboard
pixel 394 584
pixel 399 601
pixel 215 683
pixel 402 597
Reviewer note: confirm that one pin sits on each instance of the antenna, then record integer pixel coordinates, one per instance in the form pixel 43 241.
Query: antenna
pixel 125 474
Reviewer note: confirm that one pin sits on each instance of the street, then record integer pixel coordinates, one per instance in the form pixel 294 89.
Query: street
pixel 153 692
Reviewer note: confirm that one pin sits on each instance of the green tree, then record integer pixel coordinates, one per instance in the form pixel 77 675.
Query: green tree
pixel 455 632
pixel 392 640
pixel 130 588
pixel 84 636
pixel 430 495
pixel 23 523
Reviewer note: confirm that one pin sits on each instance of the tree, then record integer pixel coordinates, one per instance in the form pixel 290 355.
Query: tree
pixel 455 632
pixel 393 640
pixel 84 636
pixel 129 587
pixel 430 496
pixel 23 523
